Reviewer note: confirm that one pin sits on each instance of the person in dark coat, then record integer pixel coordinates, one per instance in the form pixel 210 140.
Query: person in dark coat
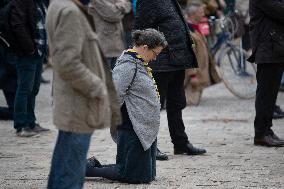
pixel 169 67
pixel 267 40
pixel 29 47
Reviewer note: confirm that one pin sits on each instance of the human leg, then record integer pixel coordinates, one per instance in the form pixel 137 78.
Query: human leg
pixel 26 68
pixel 268 81
pixel 175 103
pixel 108 172
pixel 31 119
pixel 133 164
pixel 69 161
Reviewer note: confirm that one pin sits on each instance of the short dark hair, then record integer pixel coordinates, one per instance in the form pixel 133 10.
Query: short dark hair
pixel 150 37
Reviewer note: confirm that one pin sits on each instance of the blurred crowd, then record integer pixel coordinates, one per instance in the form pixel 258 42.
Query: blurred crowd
pixel 117 63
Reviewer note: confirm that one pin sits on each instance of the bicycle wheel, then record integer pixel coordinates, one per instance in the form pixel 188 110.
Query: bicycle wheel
pixel 238 75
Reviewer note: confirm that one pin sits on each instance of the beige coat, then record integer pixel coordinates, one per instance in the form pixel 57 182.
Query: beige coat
pixel 198 79
pixel 202 79
pixel 82 86
pixel 108 16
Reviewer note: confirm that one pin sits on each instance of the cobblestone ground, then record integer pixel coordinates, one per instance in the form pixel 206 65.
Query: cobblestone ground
pixel 222 124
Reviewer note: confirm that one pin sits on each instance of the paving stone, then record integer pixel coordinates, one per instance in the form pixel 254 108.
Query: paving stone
pixel 222 123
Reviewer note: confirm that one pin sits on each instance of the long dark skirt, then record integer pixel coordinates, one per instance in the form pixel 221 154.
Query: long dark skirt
pixel 135 164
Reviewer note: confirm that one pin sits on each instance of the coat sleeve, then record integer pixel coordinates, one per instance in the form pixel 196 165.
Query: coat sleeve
pixel 68 38
pixel 109 11
pixel 146 14
pixel 272 8
pixel 20 11
pixel 122 76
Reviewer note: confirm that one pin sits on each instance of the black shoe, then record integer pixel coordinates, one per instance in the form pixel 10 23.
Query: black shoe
pixel 93 162
pixel 267 141
pixel 278 113
pixel 275 137
pixel 188 149
pixel 161 156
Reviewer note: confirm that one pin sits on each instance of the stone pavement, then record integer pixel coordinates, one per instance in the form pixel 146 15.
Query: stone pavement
pixel 222 123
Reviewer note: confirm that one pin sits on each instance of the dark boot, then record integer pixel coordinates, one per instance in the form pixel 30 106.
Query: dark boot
pixel 188 149
pixel 93 162
pixel 268 141
pixel 274 136
pixel 161 156
pixel 278 112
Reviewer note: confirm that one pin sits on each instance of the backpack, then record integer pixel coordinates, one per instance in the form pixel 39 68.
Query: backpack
pixel 5 7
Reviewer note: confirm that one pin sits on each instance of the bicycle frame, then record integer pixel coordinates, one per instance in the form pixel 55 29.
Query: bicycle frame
pixel 224 40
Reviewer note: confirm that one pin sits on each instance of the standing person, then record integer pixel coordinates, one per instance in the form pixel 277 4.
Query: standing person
pixel 267 38
pixel 169 67
pixel 128 21
pixel 108 15
pixel 27 22
pixel 8 79
pixel 243 7
pixel 140 107
pixel 206 74
pixel 83 92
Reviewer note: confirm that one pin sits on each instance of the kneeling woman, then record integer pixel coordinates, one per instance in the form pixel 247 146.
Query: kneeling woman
pixel 140 107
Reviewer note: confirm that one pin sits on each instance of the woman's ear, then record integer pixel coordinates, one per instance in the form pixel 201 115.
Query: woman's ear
pixel 145 47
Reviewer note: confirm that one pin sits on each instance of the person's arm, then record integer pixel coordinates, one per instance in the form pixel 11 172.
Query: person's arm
pixel 272 8
pixel 20 11
pixel 66 46
pixel 122 75
pixel 146 14
pixel 111 12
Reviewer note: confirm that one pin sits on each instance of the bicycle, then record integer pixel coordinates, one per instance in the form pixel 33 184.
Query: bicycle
pixel 238 75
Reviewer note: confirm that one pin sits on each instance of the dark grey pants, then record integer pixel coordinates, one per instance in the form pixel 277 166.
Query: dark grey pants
pixel 268 77
pixel 170 85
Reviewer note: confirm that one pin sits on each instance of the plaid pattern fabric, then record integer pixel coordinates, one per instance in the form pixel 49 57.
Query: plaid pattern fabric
pixel 41 37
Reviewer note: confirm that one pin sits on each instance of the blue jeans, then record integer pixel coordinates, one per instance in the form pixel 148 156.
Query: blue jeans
pixel 68 164
pixel 29 74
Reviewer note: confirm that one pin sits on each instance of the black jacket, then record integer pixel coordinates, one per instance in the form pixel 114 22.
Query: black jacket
pixel 23 20
pixel 267 30
pixel 166 16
